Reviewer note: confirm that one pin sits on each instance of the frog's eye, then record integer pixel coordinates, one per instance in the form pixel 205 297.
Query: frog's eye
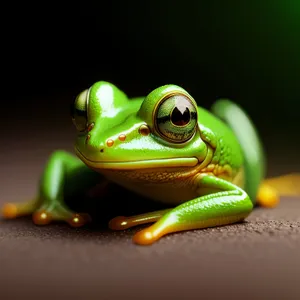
pixel 176 118
pixel 79 111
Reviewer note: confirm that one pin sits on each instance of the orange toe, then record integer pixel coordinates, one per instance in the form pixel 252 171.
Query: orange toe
pixel 41 218
pixel 78 220
pixel 145 237
pixel 118 223
pixel 267 197
pixel 9 211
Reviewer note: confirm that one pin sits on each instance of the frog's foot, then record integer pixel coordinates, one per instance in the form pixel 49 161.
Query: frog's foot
pixel 48 214
pixel 45 214
pixel 267 196
pixel 122 223
pixel 15 210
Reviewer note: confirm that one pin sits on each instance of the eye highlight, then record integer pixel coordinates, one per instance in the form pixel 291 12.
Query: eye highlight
pixel 180 116
pixel 79 111
pixel 176 118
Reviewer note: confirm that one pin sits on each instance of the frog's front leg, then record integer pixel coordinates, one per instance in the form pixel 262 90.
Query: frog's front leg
pixel 226 204
pixel 63 174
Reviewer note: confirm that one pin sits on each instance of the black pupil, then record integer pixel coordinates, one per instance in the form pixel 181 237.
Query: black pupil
pixel 180 117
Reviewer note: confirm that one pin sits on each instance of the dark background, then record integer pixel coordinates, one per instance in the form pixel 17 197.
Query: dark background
pixel 245 50
pixel 248 51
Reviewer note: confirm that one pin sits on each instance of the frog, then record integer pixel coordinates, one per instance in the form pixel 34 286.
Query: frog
pixel 207 165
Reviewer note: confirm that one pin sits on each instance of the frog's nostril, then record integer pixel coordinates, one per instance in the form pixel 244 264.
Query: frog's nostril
pixel 101 150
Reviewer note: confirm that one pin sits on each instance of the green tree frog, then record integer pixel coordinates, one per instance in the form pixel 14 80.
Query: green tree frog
pixel 208 165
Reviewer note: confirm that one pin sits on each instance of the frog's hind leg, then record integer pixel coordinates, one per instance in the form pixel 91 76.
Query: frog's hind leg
pixel 61 173
pixel 272 188
pixel 122 223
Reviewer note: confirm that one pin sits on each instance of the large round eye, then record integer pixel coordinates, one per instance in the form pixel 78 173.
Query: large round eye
pixel 176 118
pixel 79 111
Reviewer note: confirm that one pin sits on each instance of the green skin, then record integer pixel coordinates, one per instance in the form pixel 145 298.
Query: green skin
pixel 208 167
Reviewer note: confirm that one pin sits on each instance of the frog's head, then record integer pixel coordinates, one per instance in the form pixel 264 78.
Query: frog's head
pixel 116 133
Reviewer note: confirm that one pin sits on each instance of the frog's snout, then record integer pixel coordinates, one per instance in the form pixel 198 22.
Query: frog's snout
pixel 91 144
pixel 105 145
pixel 112 141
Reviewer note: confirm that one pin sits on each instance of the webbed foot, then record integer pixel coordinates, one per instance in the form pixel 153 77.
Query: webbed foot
pixel 45 214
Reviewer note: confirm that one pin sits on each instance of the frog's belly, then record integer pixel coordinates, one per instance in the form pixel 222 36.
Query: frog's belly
pixel 172 192
pixel 165 193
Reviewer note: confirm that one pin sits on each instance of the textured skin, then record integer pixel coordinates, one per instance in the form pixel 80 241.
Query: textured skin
pixel 254 158
pixel 204 177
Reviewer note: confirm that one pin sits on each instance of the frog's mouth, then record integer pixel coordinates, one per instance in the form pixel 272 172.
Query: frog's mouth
pixel 139 164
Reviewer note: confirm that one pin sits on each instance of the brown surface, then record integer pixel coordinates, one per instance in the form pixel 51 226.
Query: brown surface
pixel 257 259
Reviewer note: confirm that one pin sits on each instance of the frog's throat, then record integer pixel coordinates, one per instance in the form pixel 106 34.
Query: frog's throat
pixel 140 164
